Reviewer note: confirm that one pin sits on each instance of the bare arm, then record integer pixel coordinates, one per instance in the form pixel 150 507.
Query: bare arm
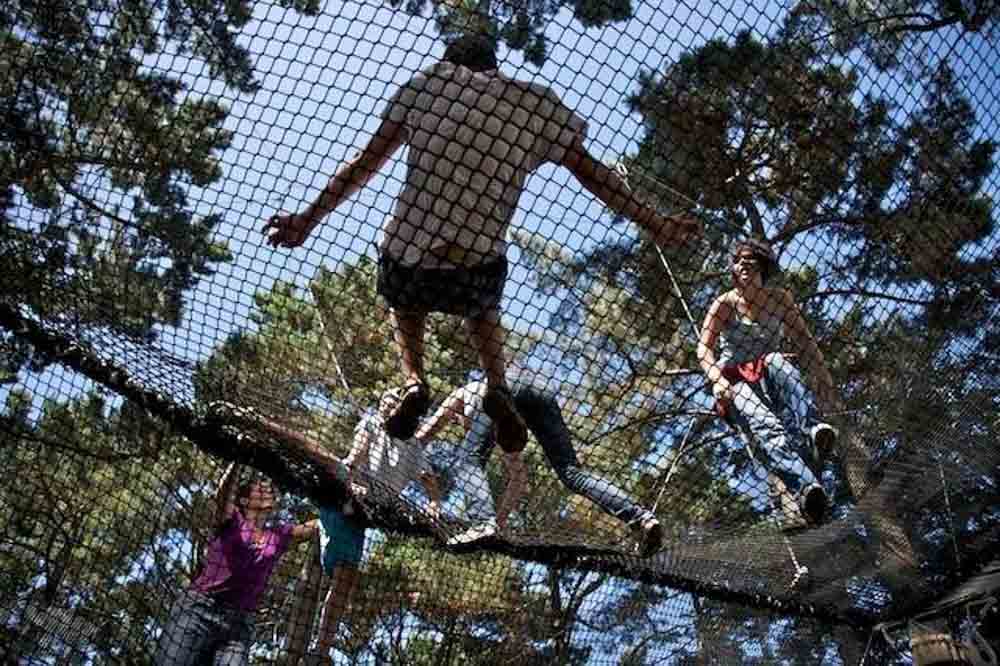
pixel 292 230
pixel 452 410
pixel 430 484
pixel 305 531
pixel 812 358
pixel 607 185
pixel 225 494
pixel 358 457
pixel 305 446
pixel 718 314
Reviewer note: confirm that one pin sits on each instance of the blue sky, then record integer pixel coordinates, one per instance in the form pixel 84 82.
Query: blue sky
pixel 324 81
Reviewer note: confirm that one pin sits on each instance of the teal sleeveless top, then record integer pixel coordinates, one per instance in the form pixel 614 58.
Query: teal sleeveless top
pixel 742 341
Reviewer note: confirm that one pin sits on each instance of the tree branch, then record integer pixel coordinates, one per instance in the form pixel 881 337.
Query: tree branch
pixel 867 294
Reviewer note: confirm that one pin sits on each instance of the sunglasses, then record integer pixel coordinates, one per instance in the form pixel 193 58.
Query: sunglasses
pixel 746 261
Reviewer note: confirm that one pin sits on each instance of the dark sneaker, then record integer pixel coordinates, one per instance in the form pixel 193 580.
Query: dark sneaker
pixel 649 535
pixel 403 421
pixel 512 433
pixel 814 505
pixel 824 439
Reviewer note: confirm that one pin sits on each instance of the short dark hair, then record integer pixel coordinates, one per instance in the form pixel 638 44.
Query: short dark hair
pixel 475 51
pixel 762 252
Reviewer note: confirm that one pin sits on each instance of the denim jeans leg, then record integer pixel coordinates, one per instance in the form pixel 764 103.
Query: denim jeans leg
pixel 235 648
pixel 789 392
pixel 606 495
pixel 544 419
pixel 188 633
pixel 771 447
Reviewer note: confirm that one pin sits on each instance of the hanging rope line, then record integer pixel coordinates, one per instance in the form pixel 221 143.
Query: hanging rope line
pixel 349 361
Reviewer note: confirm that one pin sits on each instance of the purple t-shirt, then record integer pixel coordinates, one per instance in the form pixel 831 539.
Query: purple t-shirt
pixel 237 566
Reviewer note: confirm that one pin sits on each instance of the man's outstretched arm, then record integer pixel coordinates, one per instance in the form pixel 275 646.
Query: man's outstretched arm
pixel 292 230
pixel 608 186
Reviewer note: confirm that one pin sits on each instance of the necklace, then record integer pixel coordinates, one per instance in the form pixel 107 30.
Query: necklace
pixel 259 538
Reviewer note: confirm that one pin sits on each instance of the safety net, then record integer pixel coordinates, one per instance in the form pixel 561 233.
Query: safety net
pixel 447 332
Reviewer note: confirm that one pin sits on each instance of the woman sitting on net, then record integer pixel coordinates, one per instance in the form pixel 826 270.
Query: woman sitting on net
pixel 758 389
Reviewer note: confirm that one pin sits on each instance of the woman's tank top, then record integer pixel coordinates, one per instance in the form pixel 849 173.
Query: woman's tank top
pixel 742 341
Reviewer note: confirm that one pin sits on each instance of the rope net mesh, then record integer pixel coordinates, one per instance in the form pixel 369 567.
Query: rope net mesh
pixel 153 341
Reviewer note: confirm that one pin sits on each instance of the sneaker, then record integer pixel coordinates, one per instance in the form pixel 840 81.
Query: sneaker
pixel 824 439
pixel 814 504
pixel 403 421
pixel 800 578
pixel 475 533
pixel 512 433
pixel 649 535
pixel 222 409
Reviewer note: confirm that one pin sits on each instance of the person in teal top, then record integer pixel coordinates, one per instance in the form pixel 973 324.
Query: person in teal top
pixel 377 465
pixel 758 388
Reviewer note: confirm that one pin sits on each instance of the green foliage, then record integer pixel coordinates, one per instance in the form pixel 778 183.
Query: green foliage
pixel 888 31
pixel 98 150
pixel 90 494
pixel 519 25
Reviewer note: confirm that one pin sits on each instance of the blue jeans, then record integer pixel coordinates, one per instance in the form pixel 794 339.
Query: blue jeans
pixel 778 412
pixel 461 468
pixel 544 419
pixel 202 632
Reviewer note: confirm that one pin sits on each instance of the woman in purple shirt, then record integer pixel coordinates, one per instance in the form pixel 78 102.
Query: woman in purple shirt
pixel 212 621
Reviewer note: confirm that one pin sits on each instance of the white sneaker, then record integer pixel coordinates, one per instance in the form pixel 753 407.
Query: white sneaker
pixel 649 536
pixel 824 438
pixel 224 409
pixel 475 533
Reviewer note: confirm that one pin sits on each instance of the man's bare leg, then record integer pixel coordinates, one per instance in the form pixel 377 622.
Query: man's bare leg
pixel 408 331
pixel 488 337
pixel 344 581
pixel 415 399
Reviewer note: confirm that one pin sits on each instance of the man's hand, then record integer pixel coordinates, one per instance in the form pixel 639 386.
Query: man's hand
pixel 287 230
pixel 675 230
pixel 358 490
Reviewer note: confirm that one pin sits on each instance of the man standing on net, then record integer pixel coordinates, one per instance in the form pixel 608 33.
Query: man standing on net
pixel 544 418
pixel 756 386
pixel 474 137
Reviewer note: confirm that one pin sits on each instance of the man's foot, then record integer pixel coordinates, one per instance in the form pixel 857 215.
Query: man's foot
pixel 649 535
pixel 824 439
pixel 814 504
pixel 475 533
pixel 512 433
pixel 404 419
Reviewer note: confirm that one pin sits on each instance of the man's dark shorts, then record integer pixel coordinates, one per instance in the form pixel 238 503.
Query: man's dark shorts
pixel 468 291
